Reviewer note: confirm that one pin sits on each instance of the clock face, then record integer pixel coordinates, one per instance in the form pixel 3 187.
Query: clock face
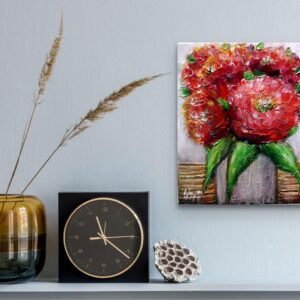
pixel 103 237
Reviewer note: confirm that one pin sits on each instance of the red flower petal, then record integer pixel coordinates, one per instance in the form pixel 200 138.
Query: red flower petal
pixel 205 119
pixel 263 110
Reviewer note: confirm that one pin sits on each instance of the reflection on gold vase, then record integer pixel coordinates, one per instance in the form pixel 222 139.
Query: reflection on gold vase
pixel 22 237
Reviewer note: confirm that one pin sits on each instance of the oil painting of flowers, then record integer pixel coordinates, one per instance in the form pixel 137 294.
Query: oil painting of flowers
pixel 238 114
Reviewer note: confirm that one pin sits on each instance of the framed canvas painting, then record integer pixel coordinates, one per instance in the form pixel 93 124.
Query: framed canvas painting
pixel 238 113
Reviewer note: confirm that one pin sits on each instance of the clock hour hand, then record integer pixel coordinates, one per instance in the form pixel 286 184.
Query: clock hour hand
pixel 114 246
pixel 102 233
pixel 93 238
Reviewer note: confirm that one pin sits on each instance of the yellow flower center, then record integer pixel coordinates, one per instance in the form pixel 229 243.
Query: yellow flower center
pixel 263 104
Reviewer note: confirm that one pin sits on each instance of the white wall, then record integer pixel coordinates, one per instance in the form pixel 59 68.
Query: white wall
pixel 107 44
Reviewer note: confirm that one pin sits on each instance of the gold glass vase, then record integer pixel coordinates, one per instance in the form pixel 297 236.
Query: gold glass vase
pixel 22 238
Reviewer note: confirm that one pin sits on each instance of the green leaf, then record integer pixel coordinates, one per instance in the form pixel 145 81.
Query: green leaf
pixel 224 103
pixel 298 88
pixel 185 92
pixel 248 75
pixel 283 156
pixel 260 46
pixel 225 46
pixel 297 70
pixel 190 58
pixel 293 131
pixel 215 156
pixel 258 73
pixel 288 51
pixel 243 155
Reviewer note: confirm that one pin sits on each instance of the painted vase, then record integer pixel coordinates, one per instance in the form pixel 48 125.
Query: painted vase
pixel 190 180
pixel 22 238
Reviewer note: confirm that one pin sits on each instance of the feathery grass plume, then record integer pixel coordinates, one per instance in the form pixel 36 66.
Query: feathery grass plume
pixel 105 106
pixel 50 60
pixel 42 83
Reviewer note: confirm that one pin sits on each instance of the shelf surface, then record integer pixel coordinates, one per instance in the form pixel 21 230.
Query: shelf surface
pixel 153 286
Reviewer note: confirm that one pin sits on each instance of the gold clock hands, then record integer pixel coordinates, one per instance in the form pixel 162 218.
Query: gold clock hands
pixel 104 229
pixel 112 237
pixel 117 248
pixel 92 238
pixel 114 246
pixel 120 236
pixel 102 234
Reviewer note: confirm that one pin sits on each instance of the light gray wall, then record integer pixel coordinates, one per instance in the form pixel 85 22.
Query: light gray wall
pixel 107 44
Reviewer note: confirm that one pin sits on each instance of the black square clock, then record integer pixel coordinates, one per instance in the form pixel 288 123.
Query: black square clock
pixel 103 237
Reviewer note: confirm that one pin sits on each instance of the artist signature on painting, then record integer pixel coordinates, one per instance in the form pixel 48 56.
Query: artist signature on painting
pixel 193 196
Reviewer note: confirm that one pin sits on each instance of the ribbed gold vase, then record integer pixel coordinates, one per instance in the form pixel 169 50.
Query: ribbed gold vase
pixel 22 238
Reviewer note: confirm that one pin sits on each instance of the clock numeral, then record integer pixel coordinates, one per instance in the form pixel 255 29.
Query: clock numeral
pixel 80 251
pixel 103 265
pixel 79 223
pixel 89 211
pixel 128 251
pixel 104 209
pixel 117 260
pixel 128 222
pixel 90 260
pixel 75 237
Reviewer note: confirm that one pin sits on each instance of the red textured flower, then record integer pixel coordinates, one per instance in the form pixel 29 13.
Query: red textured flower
pixel 277 61
pixel 206 119
pixel 222 65
pixel 263 110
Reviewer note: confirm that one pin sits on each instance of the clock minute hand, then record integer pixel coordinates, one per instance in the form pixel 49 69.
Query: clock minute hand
pixel 116 247
pixel 102 234
pixel 120 236
pixel 104 229
pixel 112 237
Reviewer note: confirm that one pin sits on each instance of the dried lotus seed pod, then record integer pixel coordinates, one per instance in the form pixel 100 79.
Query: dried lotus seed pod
pixel 176 262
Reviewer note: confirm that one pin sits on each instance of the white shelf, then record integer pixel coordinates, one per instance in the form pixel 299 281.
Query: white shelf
pixel 153 286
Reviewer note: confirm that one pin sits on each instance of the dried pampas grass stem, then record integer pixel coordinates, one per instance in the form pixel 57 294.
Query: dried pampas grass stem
pixel 50 61
pixel 105 106
pixel 42 84
pixel 108 104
